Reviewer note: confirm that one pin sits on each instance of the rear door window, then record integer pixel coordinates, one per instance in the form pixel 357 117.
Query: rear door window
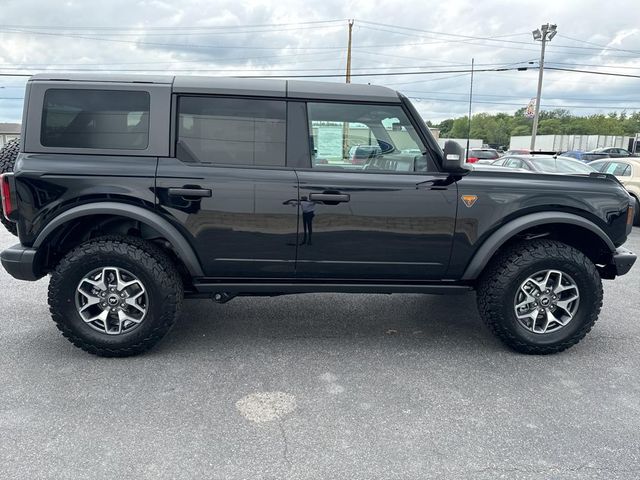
pixel 95 119
pixel 619 169
pixel 232 131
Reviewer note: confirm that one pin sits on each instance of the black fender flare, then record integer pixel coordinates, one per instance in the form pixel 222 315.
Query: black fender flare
pixel 498 238
pixel 181 246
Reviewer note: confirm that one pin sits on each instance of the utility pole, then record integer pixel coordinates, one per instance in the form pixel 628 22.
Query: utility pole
pixel 345 127
pixel 543 34
pixel 348 75
pixel 470 102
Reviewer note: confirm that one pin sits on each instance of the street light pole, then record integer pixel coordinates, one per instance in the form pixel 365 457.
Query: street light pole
pixel 544 34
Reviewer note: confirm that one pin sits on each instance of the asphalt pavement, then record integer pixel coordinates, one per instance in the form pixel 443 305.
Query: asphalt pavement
pixel 320 386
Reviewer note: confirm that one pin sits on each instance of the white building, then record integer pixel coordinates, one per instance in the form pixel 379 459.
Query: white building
pixel 559 143
pixel 8 131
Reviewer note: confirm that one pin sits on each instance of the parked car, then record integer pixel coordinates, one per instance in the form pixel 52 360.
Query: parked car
pixel 360 154
pixel 134 192
pixel 614 152
pixel 585 157
pixel 628 172
pixel 545 164
pixel 517 151
pixel 482 155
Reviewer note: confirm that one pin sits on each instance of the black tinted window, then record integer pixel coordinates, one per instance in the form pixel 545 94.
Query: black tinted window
pixel 232 131
pixel 108 119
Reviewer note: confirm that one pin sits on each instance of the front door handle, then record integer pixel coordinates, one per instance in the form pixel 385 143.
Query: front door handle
pixel 190 192
pixel 434 184
pixel 330 197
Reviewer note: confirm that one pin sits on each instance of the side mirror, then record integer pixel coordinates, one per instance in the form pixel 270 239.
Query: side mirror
pixel 454 158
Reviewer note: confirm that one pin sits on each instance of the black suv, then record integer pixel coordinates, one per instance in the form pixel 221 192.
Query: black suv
pixel 134 192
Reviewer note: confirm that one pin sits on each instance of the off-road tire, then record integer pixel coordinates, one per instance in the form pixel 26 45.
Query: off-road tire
pixel 8 155
pixel 498 285
pixel 147 262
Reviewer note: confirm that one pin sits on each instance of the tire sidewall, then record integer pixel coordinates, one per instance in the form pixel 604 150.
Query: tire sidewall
pixel 588 288
pixel 68 280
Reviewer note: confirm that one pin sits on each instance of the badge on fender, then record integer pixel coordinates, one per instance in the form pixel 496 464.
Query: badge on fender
pixel 469 200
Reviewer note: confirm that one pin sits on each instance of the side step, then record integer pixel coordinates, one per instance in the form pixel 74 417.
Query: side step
pixel 207 289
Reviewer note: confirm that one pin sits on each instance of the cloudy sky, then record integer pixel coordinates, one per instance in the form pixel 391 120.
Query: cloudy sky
pixel 304 38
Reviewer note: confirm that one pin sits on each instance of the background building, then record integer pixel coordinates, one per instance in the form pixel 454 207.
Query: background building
pixel 8 131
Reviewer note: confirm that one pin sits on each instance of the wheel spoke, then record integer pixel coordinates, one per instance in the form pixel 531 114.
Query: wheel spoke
pixel 133 303
pixel 91 300
pixel 532 315
pixel 122 316
pixel 101 316
pixel 549 318
pixel 121 284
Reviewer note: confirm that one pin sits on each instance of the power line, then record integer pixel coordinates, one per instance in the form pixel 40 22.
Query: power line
pixel 490 38
pixel 604 47
pixel 245 47
pixel 218 69
pixel 522 105
pixel 594 72
pixel 385 74
pixel 626 67
pixel 438 92
pixel 176 27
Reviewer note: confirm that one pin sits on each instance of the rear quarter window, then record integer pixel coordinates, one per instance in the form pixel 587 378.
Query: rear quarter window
pixel 95 119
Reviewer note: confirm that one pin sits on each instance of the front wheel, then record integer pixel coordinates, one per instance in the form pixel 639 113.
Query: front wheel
pixel 540 297
pixel 115 296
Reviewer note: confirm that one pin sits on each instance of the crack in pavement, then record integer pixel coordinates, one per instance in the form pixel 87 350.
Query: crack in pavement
pixel 285 444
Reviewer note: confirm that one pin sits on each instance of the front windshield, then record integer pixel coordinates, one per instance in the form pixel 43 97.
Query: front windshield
pixel 561 165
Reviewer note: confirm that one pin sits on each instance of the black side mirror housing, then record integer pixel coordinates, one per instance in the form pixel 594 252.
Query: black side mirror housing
pixel 454 159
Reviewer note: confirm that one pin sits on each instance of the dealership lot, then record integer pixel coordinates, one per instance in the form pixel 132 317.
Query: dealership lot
pixel 323 386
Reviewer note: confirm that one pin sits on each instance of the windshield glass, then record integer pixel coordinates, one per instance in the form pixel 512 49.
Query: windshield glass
pixel 561 165
pixel 484 154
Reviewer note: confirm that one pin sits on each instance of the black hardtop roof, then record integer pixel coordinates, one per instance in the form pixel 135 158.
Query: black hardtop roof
pixel 263 87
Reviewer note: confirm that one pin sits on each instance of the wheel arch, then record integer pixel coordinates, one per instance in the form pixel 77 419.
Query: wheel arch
pixel 570 228
pixel 118 212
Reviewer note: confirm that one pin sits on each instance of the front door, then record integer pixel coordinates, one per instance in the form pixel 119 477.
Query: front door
pixel 372 206
pixel 229 188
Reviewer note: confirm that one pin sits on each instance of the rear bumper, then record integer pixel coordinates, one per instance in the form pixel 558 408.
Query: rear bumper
pixel 19 262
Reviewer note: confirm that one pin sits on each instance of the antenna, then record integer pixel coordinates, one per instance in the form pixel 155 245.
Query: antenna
pixel 470 102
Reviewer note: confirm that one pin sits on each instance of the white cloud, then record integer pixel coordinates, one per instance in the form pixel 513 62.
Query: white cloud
pixel 291 48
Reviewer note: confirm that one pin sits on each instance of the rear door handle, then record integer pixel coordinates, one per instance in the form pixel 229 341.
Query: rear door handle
pixel 330 197
pixel 189 192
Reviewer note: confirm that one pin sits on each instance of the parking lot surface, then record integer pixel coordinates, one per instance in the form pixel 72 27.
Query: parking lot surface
pixel 320 386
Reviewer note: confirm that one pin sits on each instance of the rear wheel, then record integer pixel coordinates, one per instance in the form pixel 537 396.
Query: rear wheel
pixel 540 297
pixel 115 296
pixel 8 155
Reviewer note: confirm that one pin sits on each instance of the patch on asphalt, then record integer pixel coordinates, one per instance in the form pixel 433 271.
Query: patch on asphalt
pixel 331 386
pixel 266 406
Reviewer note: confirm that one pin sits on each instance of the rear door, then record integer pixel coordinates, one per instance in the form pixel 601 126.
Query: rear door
pixel 228 185
pixel 391 217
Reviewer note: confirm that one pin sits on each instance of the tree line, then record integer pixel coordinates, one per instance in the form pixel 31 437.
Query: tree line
pixel 498 128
